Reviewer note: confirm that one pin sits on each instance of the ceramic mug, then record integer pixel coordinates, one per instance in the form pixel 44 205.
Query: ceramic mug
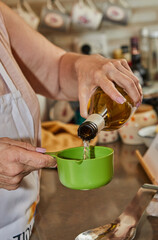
pixel 55 17
pixel 107 136
pixel 76 173
pixel 144 116
pixel 85 15
pixel 116 11
pixel 25 11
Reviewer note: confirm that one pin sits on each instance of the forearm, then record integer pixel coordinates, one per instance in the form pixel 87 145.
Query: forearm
pixel 60 75
pixel 68 78
pixel 37 57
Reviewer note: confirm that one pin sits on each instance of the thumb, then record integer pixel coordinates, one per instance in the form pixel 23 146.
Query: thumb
pixel 83 100
pixel 37 160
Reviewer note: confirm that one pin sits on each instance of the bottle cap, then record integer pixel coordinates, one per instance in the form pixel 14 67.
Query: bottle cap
pixel 125 48
pixel 134 42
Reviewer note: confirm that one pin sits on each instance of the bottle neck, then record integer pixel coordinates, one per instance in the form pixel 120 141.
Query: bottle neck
pixel 91 127
pixel 98 120
pixel 136 59
pixel 135 53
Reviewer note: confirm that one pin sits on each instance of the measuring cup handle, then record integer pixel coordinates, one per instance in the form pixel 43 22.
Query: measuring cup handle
pixel 53 154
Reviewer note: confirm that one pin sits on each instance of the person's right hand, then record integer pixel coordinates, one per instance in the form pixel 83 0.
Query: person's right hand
pixel 95 70
pixel 18 159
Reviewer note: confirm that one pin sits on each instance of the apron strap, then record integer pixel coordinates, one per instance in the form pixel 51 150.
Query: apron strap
pixel 7 79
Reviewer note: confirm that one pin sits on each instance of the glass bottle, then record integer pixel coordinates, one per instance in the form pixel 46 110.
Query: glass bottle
pixel 105 114
pixel 117 53
pixel 139 71
pixel 153 55
pixel 144 46
pixel 126 54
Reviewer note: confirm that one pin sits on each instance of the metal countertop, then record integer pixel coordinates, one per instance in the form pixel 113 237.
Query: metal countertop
pixel 64 213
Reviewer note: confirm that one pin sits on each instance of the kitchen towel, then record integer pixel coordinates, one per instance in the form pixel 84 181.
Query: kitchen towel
pixel 57 136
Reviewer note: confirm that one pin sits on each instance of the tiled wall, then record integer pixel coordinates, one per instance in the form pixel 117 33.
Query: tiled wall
pixel 144 13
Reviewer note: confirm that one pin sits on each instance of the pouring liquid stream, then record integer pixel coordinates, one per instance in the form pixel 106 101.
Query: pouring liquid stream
pixel 86 150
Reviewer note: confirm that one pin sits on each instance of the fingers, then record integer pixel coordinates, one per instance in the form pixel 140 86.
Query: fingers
pixel 127 84
pixel 108 87
pixel 125 64
pixel 34 160
pixel 17 162
pixel 10 183
pixel 9 187
pixel 111 90
pixel 120 74
pixel 24 145
pixel 11 153
pixel 12 142
pixel 84 95
pixel 104 72
pixel 123 67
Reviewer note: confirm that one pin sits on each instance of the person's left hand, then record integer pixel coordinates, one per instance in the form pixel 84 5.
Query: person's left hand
pixel 18 159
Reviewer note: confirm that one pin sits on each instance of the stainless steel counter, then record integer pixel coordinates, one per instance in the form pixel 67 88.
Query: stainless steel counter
pixel 64 213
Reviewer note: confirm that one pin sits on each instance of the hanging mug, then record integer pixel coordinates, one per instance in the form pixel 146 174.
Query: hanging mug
pixel 25 11
pixel 85 15
pixel 55 17
pixel 116 12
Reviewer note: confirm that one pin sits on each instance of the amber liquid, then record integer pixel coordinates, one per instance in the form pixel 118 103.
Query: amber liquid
pixel 114 114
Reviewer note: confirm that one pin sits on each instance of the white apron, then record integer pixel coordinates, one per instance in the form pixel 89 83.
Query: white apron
pixel 17 207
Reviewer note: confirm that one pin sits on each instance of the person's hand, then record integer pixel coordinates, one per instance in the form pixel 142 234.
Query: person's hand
pixel 95 70
pixel 18 159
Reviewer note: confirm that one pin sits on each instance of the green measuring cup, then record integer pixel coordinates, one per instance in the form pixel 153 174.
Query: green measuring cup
pixel 76 173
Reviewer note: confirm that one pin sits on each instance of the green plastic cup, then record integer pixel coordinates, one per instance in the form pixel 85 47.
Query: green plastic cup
pixel 76 173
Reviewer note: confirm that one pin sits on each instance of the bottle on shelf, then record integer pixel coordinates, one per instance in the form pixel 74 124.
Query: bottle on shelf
pixel 105 114
pixel 140 72
pixel 144 46
pixel 117 53
pixel 126 54
pixel 153 55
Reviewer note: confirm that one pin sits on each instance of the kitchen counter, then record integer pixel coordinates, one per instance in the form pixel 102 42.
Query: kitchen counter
pixel 64 213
